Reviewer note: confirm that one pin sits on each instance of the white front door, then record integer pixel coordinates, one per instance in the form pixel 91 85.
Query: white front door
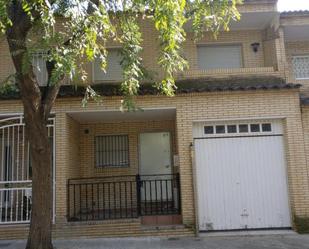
pixel 155 162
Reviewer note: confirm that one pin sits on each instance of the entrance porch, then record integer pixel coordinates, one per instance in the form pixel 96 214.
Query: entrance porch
pixel 123 166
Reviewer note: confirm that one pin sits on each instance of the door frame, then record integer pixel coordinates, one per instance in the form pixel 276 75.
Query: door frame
pixel 139 148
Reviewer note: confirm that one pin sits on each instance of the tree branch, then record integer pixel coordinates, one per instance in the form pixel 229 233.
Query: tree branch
pixel 50 99
pixel 35 98
pixel 16 38
pixel 51 92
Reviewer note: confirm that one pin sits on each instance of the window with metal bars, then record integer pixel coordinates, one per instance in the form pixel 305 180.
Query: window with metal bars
pixel 112 151
pixel 301 67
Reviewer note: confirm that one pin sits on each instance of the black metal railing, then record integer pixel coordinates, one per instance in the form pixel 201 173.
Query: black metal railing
pixel 160 194
pixel 120 197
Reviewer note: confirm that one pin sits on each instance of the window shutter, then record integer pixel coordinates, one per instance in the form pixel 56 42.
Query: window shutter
pixel 113 68
pixel 221 56
pixel 301 67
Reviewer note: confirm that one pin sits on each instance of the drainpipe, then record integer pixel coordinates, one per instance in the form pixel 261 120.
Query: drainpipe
pixel 194 178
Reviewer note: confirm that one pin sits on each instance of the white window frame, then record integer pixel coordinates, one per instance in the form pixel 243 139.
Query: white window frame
pixel 209 45
pixel 299 56
pixel 94 80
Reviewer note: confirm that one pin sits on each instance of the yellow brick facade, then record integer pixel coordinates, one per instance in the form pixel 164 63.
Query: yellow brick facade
pixel 264 62
pixel 71 148
pixel 75 148
pixel 298 48
pixel 267 61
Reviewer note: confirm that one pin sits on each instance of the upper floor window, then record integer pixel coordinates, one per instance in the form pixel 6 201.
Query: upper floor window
pixel 219 56
pixel 113 68
pixel 301 67
pixel 39 68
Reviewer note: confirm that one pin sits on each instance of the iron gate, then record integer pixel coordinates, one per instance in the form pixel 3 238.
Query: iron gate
pixel 16 170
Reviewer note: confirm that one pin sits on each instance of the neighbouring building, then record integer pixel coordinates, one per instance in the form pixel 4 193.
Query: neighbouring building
pixel 230 151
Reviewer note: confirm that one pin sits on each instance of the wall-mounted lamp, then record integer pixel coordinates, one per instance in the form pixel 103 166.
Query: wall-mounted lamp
pixel 255 47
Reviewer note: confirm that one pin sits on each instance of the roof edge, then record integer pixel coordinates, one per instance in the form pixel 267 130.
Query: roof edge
pixel 197 85
pixel 260 1
pixel 294 13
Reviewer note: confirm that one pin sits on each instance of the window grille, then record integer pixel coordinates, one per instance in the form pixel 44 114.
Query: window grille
pixel 112 151
pixel 301 67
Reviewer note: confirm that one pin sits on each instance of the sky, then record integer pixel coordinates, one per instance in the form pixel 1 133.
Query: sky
pixel 286 5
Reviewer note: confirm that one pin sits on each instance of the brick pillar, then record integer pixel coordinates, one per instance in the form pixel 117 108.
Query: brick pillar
pixel 184 140
pixel 61 162
pixel 67 160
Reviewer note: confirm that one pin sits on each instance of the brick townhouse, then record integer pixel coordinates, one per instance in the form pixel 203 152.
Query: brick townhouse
pixel 229 152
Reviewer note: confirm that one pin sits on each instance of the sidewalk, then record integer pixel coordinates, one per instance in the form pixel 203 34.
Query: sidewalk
pixel 228 242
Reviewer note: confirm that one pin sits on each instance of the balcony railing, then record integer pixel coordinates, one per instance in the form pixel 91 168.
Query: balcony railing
pixel 223 72
pixel 122 197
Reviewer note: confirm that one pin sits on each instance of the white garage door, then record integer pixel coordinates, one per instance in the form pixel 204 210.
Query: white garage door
pixel 241 176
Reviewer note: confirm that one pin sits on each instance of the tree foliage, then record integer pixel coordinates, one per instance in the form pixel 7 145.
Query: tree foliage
pixel 72 30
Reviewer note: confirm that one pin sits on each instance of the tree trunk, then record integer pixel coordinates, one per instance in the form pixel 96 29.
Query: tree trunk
pixel 37 107
pixel 40 236
pixel 36 113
